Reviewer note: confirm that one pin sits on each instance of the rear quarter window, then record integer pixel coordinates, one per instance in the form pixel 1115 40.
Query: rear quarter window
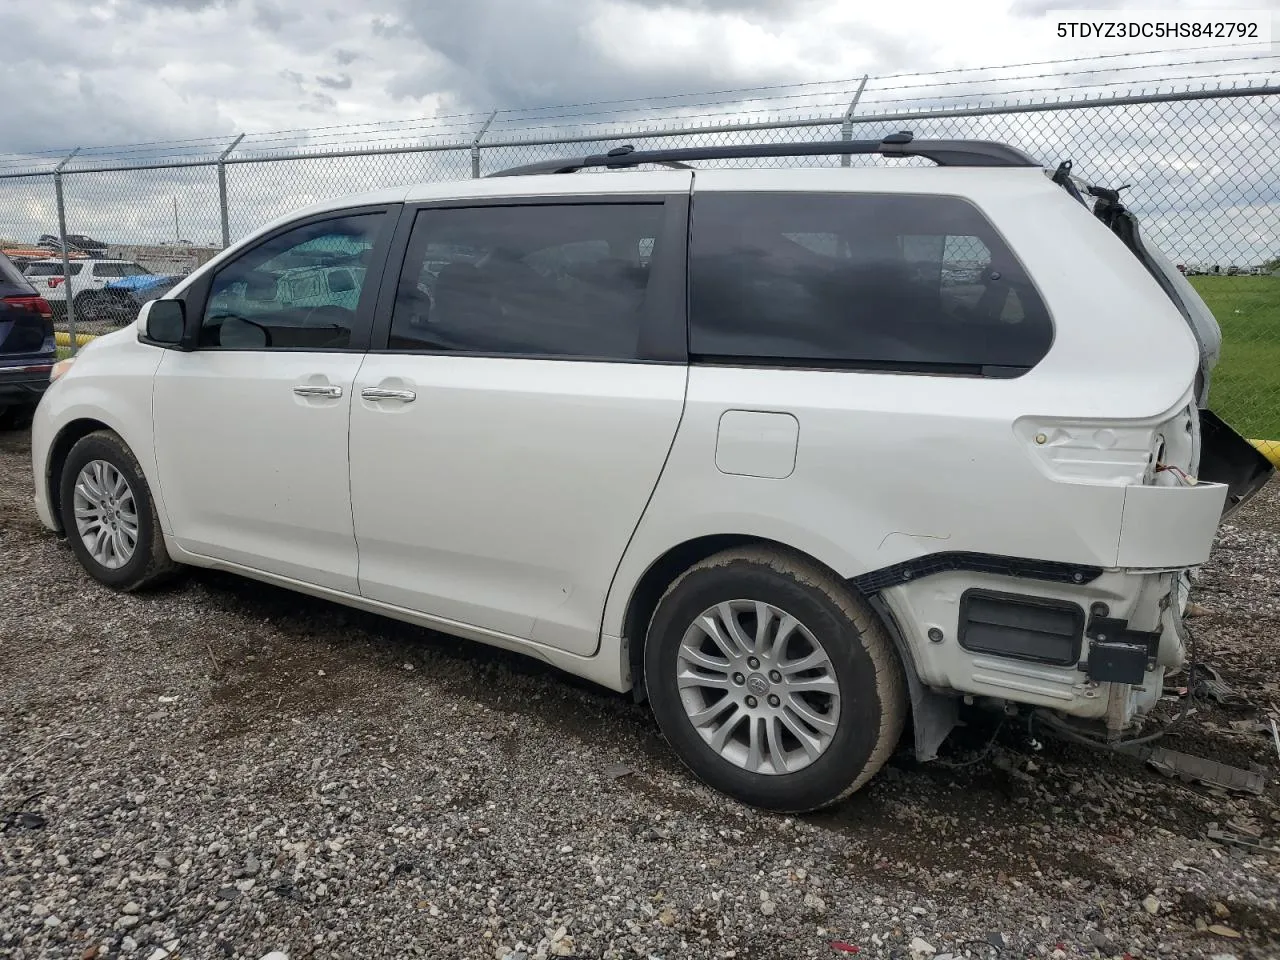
pixel 892 281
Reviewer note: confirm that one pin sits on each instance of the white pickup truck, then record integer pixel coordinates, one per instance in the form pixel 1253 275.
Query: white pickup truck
pixel 88 277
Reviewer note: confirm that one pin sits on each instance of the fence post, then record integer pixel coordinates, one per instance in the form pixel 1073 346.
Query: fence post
pixel 222 191
pixel 475 147
pixel 62 238
pixel 846 127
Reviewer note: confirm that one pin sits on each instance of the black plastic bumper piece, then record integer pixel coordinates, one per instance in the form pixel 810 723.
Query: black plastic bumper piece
pixel 1050 571
pixel 1038 629
pixel 1226 457
pixel 19 387
pixel 1118 654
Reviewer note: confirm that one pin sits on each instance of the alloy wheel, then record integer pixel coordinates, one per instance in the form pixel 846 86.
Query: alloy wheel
pixel 758 687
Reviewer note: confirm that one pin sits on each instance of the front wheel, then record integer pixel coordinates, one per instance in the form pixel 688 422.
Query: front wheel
pixel 773 681
pixel 108 514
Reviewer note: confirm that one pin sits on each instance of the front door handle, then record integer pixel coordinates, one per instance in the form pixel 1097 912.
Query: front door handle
pixel 317 390
pixel 378 393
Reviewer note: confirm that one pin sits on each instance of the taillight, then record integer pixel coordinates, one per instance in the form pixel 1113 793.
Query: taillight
pixel 38 305
pixel 54 281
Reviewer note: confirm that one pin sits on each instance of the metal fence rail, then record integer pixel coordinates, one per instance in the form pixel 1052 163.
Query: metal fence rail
pixel 1201 166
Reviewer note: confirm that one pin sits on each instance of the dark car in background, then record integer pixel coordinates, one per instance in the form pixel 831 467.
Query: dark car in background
pixel 27 348
pixel 119 300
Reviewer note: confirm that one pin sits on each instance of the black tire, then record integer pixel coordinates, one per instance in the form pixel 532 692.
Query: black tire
pixel 85 303
pixel 150 563
pixel 94 313
pixel 871 682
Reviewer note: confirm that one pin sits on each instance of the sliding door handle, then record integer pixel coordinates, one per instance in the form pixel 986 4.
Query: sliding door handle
pixel 378 393
pixel 317 390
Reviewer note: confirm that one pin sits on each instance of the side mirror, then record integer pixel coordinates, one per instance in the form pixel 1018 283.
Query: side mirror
pixel 166 322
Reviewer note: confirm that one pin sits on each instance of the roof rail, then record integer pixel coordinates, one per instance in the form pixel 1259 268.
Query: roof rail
pixel 945 153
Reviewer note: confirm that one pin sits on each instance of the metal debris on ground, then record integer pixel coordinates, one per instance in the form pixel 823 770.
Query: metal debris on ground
pixel 1208 683
pixel 1186 767
pixel 21 820
pixel 1251 843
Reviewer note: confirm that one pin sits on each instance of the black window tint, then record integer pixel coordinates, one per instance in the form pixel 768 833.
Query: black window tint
pixel 299 289
pixel 880 280
pixel 107 270
pixel 538 280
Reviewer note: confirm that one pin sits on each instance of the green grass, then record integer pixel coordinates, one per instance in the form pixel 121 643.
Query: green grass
pixel 1246 382
pixel 64 352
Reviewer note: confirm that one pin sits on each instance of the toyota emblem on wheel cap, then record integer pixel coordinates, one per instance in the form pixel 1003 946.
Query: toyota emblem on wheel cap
pixel 757 684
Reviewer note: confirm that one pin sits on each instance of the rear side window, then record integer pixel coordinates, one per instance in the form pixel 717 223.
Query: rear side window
pixel 51 269
pixel 869 280
pixel 545 280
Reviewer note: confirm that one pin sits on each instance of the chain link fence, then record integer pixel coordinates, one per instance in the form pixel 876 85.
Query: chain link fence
pixel 1200 168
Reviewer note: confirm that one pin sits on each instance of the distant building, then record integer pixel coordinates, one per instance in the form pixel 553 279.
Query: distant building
pixel 170 258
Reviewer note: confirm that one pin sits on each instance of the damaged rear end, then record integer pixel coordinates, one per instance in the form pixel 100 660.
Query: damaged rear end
pixel 1087 645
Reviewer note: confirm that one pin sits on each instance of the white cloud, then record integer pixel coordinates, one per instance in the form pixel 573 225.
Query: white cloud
pixel 129 71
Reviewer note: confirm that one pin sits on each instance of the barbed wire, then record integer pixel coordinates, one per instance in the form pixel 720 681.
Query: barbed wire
pixel 433 129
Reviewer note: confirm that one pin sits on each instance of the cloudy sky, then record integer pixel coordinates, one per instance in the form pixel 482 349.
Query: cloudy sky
pixel 105 74
pixel 84 72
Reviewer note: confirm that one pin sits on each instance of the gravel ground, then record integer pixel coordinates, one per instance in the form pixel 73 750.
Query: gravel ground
pixel 224 769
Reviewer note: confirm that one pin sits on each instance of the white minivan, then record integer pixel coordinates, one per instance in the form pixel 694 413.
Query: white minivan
pixel 795 454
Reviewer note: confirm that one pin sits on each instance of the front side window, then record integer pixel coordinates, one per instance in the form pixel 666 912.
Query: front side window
pixel 298 290
pixel 877 280
pixel 133 270
pixel 107 270
pixel 547 280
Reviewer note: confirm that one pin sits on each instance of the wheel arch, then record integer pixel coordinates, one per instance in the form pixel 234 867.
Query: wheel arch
pixel 67 436
pixel 664 570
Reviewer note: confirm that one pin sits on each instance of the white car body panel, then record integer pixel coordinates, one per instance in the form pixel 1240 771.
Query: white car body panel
pixel 111 386
pixel 253 473
pixel 512 486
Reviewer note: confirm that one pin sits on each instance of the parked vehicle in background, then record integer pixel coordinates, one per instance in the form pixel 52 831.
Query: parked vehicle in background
pixel 76 242
pixel 121 299
pixel 792 453
pixel 89 277
pixel 27 348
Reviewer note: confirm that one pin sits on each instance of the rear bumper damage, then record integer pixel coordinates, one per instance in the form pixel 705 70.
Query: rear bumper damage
pixel 1095 646
pixel 1090 643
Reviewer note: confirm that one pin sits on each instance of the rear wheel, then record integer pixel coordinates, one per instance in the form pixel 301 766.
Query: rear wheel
pixel 773 682
pixel 108 514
